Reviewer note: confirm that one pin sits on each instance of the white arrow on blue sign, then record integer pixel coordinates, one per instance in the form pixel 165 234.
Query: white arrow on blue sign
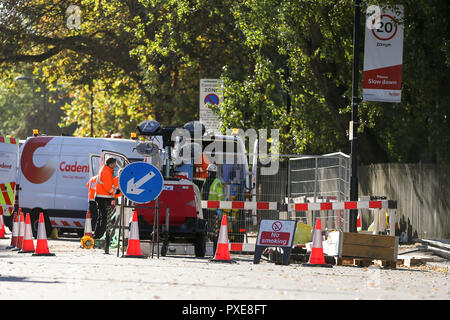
pixel 141 182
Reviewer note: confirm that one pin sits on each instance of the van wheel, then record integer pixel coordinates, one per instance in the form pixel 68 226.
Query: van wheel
pixel 34 216
pixel 200 245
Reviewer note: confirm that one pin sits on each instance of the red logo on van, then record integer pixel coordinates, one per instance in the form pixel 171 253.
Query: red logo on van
pixel 63 166
pixel 5 166
pixel 30 171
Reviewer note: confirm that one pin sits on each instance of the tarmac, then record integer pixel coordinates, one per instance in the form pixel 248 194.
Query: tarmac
pixel 77 273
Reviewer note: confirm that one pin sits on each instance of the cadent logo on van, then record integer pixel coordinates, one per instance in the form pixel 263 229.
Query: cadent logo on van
pixel 35 174
pixel 73 168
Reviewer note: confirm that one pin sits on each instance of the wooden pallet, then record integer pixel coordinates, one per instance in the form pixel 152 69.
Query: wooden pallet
pixel 367 246
pixel 365 262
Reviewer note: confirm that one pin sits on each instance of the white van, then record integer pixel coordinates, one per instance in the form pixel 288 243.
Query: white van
pixel 9 158
pixel 53 173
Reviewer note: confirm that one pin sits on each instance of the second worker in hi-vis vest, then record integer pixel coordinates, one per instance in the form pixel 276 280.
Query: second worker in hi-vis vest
pixel 92 187
pixel 213 190
pixel 104 194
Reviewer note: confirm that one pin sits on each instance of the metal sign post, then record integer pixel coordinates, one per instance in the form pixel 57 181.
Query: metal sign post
pixel 155 225
pixel 121 210
pixel 141 183
pixel 355 119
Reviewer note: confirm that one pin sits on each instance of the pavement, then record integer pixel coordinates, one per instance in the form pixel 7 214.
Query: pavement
pixel 76 273
pixel 426 259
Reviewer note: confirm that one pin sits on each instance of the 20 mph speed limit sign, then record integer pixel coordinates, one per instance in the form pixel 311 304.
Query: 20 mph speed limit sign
pixel 387 28
pixel 383 50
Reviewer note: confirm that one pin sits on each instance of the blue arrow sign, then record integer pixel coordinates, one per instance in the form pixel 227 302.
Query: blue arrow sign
pixel 141 182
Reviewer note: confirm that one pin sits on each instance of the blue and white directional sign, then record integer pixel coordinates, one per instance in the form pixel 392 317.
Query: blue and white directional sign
pixel 141 182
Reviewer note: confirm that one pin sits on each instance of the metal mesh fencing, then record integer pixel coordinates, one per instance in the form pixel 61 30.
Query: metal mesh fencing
pixel 323 178
pixel 316 179
pixel 312 178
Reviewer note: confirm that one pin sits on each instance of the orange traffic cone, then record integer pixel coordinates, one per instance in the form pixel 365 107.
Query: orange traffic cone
pixel 41 245
pixel 88 225
pixel 316 258
pixel 223 250
pixel 15 232
pixel 134 244
pixel 21 231
pixel 2 227
pixel 358 222
pixel 28 244
pixel 87 240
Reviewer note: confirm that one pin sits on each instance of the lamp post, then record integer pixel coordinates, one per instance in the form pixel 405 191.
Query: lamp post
pixel 92 111
pixel 355 120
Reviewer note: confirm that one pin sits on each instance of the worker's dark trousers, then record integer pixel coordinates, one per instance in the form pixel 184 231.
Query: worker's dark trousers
pixel 103 206
pixel 94 212
pixel 213 226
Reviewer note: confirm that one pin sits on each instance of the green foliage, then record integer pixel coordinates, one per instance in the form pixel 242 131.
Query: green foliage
pixel 27 104
pixel 286 64
pixel 300 81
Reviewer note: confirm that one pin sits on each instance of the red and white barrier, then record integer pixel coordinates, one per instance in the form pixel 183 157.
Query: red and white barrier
pixel 244 205
pixel 347 205
pixel 67 223
pixel 241 247
pixel 354 205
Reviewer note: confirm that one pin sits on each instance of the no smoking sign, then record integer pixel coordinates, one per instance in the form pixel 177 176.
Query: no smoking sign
pixel 275 233
pixel 276 226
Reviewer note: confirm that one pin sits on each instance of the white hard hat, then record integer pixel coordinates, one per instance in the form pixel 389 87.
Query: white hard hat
pixel 212 167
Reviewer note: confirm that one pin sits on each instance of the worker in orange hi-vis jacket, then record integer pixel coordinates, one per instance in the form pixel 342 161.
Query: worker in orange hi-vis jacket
pixel 200 167
pixel 117 193
pixel 104 194
pixel 91 185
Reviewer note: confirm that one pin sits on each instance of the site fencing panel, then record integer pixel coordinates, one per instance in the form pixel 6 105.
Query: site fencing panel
pixel 320 177
pixel 298 179
pixel 303 188
pixel 317 179
pixel 266 199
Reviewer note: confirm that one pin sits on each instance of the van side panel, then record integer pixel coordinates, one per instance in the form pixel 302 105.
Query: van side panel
pixel 38 163
pixel 9 155
pixel 54 172
pixel 72 174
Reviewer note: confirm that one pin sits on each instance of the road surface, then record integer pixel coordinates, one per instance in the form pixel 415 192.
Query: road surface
pixel 76 273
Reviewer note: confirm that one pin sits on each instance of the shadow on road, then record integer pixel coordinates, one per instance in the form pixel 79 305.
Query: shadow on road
pixel 23 279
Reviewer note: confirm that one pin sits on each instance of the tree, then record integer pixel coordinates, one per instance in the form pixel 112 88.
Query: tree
pixel 147 56
pixel 301 81
pixel 27 104
pixel 286 64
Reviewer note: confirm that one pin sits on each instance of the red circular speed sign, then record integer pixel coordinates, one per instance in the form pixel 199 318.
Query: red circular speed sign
pixel 387 30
